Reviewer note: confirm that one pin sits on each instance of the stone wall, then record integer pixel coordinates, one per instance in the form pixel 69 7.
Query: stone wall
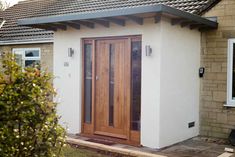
pixel 217 120
pixel 46 53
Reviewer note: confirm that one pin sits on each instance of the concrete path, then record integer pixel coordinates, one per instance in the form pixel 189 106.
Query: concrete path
pixel 197 147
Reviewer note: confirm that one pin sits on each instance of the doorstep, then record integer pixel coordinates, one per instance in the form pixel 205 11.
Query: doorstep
pixel 116 149
pixel 195 147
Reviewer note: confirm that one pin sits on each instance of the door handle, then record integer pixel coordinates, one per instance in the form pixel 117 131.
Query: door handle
pixel 96 78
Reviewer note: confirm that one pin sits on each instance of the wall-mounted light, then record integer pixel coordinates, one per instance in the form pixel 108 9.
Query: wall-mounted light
pixel 201 72
pixel 148 50
pixel 70 52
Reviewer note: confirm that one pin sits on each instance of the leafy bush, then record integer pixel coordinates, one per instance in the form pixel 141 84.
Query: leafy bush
pixel 28 120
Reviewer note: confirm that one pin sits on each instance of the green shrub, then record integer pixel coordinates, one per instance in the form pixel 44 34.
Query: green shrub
pixel 28 120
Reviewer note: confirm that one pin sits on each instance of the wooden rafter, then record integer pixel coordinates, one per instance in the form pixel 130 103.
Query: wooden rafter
pixel 176 21
pixel 101 22
pixel 136 19
pixel 85 23
pixel 158 18
pixel 116 21
pixel 194 26
pixel 73 25
pixel 185 23
pixel 58 25
pixel 46 27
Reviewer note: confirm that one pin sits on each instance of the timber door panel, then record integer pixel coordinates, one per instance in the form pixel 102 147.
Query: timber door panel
pixel 112 88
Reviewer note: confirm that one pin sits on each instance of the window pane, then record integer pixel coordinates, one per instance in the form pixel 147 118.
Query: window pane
pixel 233 84
pixel 19 59
pixel 32 63
pixel 18 56
pixel 111 83
pixel 32 53
pixel 88 82
pixel 136 84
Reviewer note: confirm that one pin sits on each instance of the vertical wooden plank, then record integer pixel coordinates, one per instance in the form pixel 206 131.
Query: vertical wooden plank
pixel 116 83
pixel 102 69
pixel 83 87
pixel 96 86
pixel 93 84
pixel 128 86
pixel 105 83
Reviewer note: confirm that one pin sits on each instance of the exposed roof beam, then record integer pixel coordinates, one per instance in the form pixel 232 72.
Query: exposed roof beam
pixel 138 20
pixel 176 21
pixel 116 21
pixel 46 27
pixel 203 28
pixel 193 26
pixel 185 23
pixel 85 23
pixel 73 25
pixel 59 25
pixel 158 18
pixel 101 22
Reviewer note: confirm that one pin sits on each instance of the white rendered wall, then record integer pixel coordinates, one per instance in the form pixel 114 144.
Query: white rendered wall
pixel 170 83
pixel 68 79
pixel 179 91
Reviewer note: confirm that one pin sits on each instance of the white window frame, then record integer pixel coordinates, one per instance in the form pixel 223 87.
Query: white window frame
pixel 24 58
pixel 230 100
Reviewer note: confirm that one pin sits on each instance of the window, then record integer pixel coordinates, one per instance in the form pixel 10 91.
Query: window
pixel 111 83
pixel 136 83
pixel 27 56
pixel 231 74
pixel 88 81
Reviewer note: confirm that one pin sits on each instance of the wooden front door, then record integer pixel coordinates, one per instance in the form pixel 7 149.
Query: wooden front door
pixel 112 86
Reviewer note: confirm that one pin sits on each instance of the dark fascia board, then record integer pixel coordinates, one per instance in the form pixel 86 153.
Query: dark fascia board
pixel 118 12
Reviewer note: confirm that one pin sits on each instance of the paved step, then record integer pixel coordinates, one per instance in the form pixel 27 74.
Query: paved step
pixel 111 149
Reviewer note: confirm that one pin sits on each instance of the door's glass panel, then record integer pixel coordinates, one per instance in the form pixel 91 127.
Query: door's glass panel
pixel 233 84
pixel 136 84
pixel 111 84
pixel 88 82
pixel 32 53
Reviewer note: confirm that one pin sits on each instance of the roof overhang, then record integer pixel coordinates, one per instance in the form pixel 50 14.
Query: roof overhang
pixel 118 16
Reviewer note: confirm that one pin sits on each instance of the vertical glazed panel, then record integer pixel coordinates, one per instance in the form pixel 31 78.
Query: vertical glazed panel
pixel 88 82
pixel 136 84
pixel 111 83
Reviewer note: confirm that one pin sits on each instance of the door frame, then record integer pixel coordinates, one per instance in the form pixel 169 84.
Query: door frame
pixel 88 130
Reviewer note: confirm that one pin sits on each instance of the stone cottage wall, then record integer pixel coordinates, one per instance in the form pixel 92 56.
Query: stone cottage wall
pixel 217 120
pixel 46 53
